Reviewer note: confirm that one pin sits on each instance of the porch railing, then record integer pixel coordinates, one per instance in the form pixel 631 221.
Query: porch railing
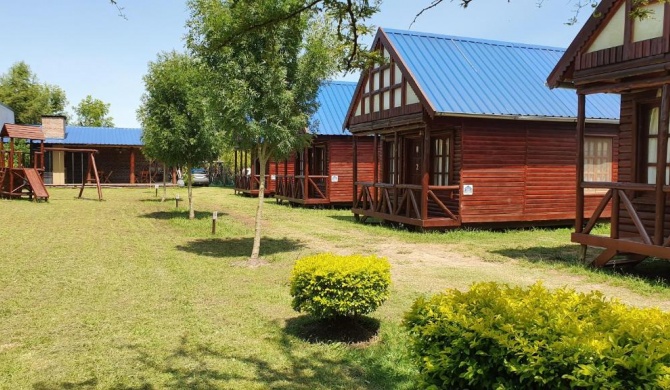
pixel 250 182
pixel 297 187
pixel 405 200
pixel 22 159
pixel 641 235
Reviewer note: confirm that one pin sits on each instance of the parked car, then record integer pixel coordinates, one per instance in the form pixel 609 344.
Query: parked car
pixel 199 177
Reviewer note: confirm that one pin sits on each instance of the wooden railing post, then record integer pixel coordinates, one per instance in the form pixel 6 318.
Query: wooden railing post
pixel 425 179
pixel 375 173
pixel 579 207
pixel 305 189
pixel 661 167
pixel 355 168
pixel 614 221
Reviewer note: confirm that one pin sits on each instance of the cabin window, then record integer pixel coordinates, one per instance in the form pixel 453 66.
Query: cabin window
pixel 441 154
pixel 390 160
pixel 597 161
pixel 650 163
pixel 318 163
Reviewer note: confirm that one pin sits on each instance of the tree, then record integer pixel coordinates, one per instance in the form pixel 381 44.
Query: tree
pixel 27 97
pixel 264 83
pixel 172 113
pixel 93 112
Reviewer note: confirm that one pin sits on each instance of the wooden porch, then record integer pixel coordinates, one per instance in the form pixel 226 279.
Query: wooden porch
pixel 406 204
pixel 303 189
pixel 250 185
pixel 414 188
pixel 639 217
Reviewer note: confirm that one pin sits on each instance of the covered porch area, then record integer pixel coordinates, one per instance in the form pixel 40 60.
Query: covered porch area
pixel 304 178
pixel 414 180
pixel 247 180
pixel 640 219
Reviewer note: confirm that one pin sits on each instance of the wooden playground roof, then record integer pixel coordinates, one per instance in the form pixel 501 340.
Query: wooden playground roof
pixel 22 131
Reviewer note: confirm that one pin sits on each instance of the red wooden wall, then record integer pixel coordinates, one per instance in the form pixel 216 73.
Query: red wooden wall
pixel 340 163
pixel 522 171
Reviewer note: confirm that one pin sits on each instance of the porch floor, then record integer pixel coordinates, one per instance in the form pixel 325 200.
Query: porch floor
pixel 430 223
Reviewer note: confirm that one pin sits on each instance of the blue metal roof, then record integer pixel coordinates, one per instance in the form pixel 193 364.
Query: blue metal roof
pixel 482 77
pixel 334 98
pixel 77 135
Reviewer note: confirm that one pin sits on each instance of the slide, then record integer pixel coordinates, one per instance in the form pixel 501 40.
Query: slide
pixel 36 183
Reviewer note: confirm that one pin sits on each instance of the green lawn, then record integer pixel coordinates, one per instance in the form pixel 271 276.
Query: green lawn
pixel 129 294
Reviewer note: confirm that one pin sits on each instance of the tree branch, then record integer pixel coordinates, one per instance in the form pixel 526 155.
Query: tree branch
pixel 119 8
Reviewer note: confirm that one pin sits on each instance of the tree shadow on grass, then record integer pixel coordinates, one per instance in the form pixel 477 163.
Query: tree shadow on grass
pixel 179 214
pixel 237 247
pixel 90 383
pixel 654 272
pixel 288 364
pixel 341 330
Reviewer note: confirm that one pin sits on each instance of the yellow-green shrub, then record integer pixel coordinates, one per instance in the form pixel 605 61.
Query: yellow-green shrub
pixel 501 337
pixel 328 285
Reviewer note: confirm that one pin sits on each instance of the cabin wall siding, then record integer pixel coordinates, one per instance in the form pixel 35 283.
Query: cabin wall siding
pixel 340 164
pixel 522 171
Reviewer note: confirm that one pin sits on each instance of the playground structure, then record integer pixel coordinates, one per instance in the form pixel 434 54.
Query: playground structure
pixel 21 171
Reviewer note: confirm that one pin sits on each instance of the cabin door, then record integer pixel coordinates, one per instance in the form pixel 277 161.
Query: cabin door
pixel 413 151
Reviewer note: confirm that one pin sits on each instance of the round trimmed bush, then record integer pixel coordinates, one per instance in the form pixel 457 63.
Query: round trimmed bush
pixel 328 285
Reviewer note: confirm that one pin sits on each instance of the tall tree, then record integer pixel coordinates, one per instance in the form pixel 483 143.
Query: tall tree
pixel 93 112
pixel 264 83
pixel 27 97
pixel 173 116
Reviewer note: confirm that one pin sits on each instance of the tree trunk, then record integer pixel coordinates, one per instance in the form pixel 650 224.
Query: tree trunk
pixel 164 183
pixel 255 251
pixel 191 212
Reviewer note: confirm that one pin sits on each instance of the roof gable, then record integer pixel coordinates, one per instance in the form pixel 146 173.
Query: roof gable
pixel 333 99
pixel 613 47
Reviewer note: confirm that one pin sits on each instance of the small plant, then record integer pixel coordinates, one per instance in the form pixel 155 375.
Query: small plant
pixel 494 337
pixel 329 285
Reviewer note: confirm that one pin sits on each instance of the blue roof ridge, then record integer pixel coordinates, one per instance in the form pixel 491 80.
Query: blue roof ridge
pixel 339 82
pixel 102 128
pixel 473 40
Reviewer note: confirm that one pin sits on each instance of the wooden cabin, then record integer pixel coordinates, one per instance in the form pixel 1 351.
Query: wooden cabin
pixel 469 134
pixel 619 54
pixel 119 156
pixel 321 174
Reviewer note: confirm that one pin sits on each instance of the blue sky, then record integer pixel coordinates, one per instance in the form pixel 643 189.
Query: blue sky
pixel 86 49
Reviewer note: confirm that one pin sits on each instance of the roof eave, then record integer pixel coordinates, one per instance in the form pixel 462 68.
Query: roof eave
pixel 527 117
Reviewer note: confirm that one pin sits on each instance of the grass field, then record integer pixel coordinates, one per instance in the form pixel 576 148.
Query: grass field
pixel 129 294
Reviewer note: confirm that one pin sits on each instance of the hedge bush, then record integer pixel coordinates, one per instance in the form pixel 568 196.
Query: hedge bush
pixel 501 337
pixel 328 285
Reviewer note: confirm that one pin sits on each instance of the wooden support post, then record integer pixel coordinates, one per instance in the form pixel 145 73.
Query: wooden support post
pixel 305 194
pixel 355 173
pixel 614 221
pixel 425 173
pixel 396 169
pixel 581 122
pixel 132 166
pixel 375 174
pixel 659 225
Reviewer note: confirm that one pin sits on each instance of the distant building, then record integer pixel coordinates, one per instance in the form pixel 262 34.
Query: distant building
pixel 6 115
pixel 119 159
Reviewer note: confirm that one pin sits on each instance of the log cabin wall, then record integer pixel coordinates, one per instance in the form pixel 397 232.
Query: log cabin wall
pixel 523 171
pixel 340 164
pixel 644 202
